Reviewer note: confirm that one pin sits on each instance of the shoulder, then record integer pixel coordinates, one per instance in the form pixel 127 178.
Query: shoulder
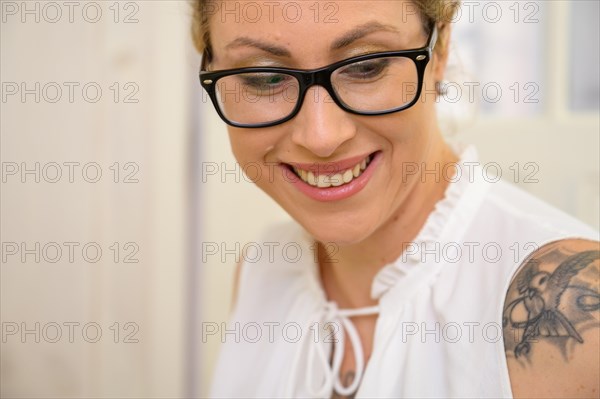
pixel 551 322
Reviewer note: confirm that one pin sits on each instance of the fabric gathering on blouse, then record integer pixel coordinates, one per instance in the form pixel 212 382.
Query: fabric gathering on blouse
pixel 439 326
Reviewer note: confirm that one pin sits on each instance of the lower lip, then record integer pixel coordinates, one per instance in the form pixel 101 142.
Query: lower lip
pixel 334 193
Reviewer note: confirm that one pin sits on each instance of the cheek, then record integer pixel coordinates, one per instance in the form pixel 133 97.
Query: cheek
pixel 249 145
pixel 402 131
pixel 251 149
pixel 243 153
pixel 407 139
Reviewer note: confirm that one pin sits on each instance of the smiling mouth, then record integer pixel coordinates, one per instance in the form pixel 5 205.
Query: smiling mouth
pixel 325 177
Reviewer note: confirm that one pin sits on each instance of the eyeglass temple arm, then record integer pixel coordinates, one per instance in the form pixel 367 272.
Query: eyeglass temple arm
pixel 205 59
pixel 432 40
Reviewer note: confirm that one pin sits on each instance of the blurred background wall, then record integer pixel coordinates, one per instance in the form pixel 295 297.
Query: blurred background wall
pixel 96 130
pixel 122 209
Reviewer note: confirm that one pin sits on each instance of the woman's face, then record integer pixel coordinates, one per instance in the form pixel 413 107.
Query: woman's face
pixel 323 138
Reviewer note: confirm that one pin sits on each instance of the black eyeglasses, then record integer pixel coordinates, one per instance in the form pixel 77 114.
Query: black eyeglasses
pixel 371 84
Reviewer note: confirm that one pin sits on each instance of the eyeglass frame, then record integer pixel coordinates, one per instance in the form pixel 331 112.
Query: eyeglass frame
pixel 319 77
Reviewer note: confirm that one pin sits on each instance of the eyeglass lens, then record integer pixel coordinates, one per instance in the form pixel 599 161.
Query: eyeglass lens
pixel 370 86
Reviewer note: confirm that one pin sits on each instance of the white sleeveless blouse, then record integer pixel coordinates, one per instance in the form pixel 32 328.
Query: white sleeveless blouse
pixel 439 329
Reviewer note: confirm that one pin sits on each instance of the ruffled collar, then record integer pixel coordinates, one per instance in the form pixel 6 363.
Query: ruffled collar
pixel 447 220
pixel 401 276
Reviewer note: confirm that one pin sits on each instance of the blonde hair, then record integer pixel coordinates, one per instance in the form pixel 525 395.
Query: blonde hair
pixel 438 12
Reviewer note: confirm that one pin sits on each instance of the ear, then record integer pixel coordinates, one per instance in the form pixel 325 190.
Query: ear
pixel 441 51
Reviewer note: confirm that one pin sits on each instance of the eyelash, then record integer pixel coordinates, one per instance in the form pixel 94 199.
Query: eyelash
pixel 379 64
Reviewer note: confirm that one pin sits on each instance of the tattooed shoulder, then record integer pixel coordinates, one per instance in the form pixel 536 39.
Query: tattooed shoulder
pixel 551 321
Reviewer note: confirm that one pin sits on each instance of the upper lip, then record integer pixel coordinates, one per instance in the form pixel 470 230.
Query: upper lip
pixel 330 168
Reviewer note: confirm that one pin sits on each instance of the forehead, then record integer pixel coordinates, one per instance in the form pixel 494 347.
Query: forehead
pixel 306 24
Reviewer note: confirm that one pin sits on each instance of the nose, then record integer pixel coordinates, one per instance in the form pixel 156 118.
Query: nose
pixel 321 126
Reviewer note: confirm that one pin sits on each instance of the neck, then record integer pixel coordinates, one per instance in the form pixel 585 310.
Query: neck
pixel 348 279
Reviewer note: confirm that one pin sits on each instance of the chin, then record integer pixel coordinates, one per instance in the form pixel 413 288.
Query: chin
pixel 342 231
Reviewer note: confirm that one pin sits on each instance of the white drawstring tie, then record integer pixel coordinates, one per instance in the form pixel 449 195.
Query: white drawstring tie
pixel 331 314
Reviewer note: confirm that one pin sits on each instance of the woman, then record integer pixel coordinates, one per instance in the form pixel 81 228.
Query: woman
pixel 415 277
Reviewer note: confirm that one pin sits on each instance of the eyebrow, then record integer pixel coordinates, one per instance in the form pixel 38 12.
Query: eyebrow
pixel 343 41
pixel 359 32
pixel 269 48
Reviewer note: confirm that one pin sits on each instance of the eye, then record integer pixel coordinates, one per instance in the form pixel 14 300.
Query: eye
pixel 263 80
pixel 368 69
pixel 543 279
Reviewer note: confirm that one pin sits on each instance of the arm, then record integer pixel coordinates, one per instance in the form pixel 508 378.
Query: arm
pixel 552 322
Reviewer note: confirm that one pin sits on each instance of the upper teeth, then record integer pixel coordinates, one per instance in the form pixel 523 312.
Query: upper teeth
pixel 324 181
